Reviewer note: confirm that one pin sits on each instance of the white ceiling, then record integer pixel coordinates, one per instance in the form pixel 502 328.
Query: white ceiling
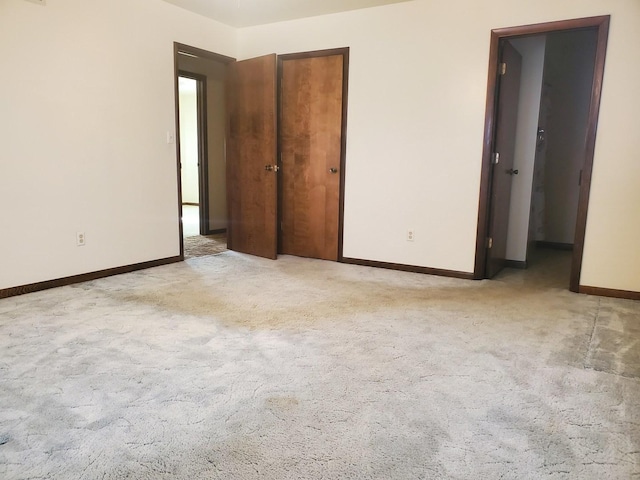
pixel 245 13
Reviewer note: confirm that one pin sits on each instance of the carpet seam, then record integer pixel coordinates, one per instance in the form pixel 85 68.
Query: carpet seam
pixel 589 354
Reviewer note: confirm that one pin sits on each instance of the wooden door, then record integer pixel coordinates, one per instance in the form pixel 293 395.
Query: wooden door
pixel 311 148
pixel 504 149
pixel 251 157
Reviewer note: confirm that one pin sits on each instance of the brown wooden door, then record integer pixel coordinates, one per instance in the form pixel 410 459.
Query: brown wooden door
pixel 252 185
pixel 504 147
pixel 310 143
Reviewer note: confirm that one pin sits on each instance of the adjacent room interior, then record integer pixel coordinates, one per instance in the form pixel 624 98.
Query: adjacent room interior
pixel 201 138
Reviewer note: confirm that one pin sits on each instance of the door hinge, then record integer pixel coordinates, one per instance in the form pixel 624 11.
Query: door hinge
pixel 489 242
pixel 496 158
pixel 502 69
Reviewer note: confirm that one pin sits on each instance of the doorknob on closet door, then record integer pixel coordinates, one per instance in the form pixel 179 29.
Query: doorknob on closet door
pixel 511 171
pixel 333 170
pixel 271 168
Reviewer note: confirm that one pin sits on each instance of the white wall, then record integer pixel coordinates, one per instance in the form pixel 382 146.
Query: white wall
pixel 86 99
pixel 418 78
pixel 611 254
pixel 569 67
pixel 532 50
pixel 189 141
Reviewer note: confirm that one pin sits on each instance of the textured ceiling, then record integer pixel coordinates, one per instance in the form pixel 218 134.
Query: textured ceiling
pixel 245 13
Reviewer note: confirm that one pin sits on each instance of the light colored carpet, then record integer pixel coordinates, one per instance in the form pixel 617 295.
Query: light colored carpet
pixel 233 367
pixel 203 245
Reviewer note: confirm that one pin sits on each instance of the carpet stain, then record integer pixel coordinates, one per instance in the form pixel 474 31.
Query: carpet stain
pixel 319 298
pixel 615 345
pixel 281 403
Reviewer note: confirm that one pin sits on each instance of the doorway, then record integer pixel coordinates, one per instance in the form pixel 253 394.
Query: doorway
pixel 494 209
pixel 193 153
pixel 200 125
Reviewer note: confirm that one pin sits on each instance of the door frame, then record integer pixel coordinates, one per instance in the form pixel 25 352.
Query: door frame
pixel 343 145
pixel 601 25
pixel 182 49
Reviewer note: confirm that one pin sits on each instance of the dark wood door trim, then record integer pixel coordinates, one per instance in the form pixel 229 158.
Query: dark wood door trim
pixel 606 292
pixel 84 277
pixel 601 26
pixel 203 152
pixel 408 268
pixel 343 148
pixel 180 49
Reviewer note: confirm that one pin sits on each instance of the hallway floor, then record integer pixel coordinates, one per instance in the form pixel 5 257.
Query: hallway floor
pixel 190 220
pixel 196 245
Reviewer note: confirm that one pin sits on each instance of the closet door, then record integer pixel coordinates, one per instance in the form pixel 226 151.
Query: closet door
pixel 252 178
pixel 311 113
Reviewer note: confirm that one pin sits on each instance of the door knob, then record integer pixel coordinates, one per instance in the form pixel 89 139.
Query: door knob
pixel 333 170
pixel 511 171
pixel 268 168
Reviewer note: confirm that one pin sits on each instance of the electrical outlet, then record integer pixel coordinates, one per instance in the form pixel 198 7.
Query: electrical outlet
pixel 411 235
pixel 80 239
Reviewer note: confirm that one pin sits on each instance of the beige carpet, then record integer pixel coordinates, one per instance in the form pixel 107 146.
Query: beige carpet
pixel 203 245
pixel 234 367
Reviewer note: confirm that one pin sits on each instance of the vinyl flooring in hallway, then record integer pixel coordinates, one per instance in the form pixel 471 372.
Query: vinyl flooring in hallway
pixel 196 245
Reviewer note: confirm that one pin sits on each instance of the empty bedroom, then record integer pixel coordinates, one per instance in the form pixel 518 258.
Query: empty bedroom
pixel 297 240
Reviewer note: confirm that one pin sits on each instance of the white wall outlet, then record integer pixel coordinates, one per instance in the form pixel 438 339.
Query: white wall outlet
pixel 171 138
pixel 80 239
pixel 411 235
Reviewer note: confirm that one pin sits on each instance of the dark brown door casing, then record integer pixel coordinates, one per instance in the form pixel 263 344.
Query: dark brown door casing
pixel 252 178
pixel 504 150
pixel 310 145
pixel 601 25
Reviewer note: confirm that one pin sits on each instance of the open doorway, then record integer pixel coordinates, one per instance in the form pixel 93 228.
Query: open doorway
pixel 537 165
pixel 200 121
pixel 193 153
